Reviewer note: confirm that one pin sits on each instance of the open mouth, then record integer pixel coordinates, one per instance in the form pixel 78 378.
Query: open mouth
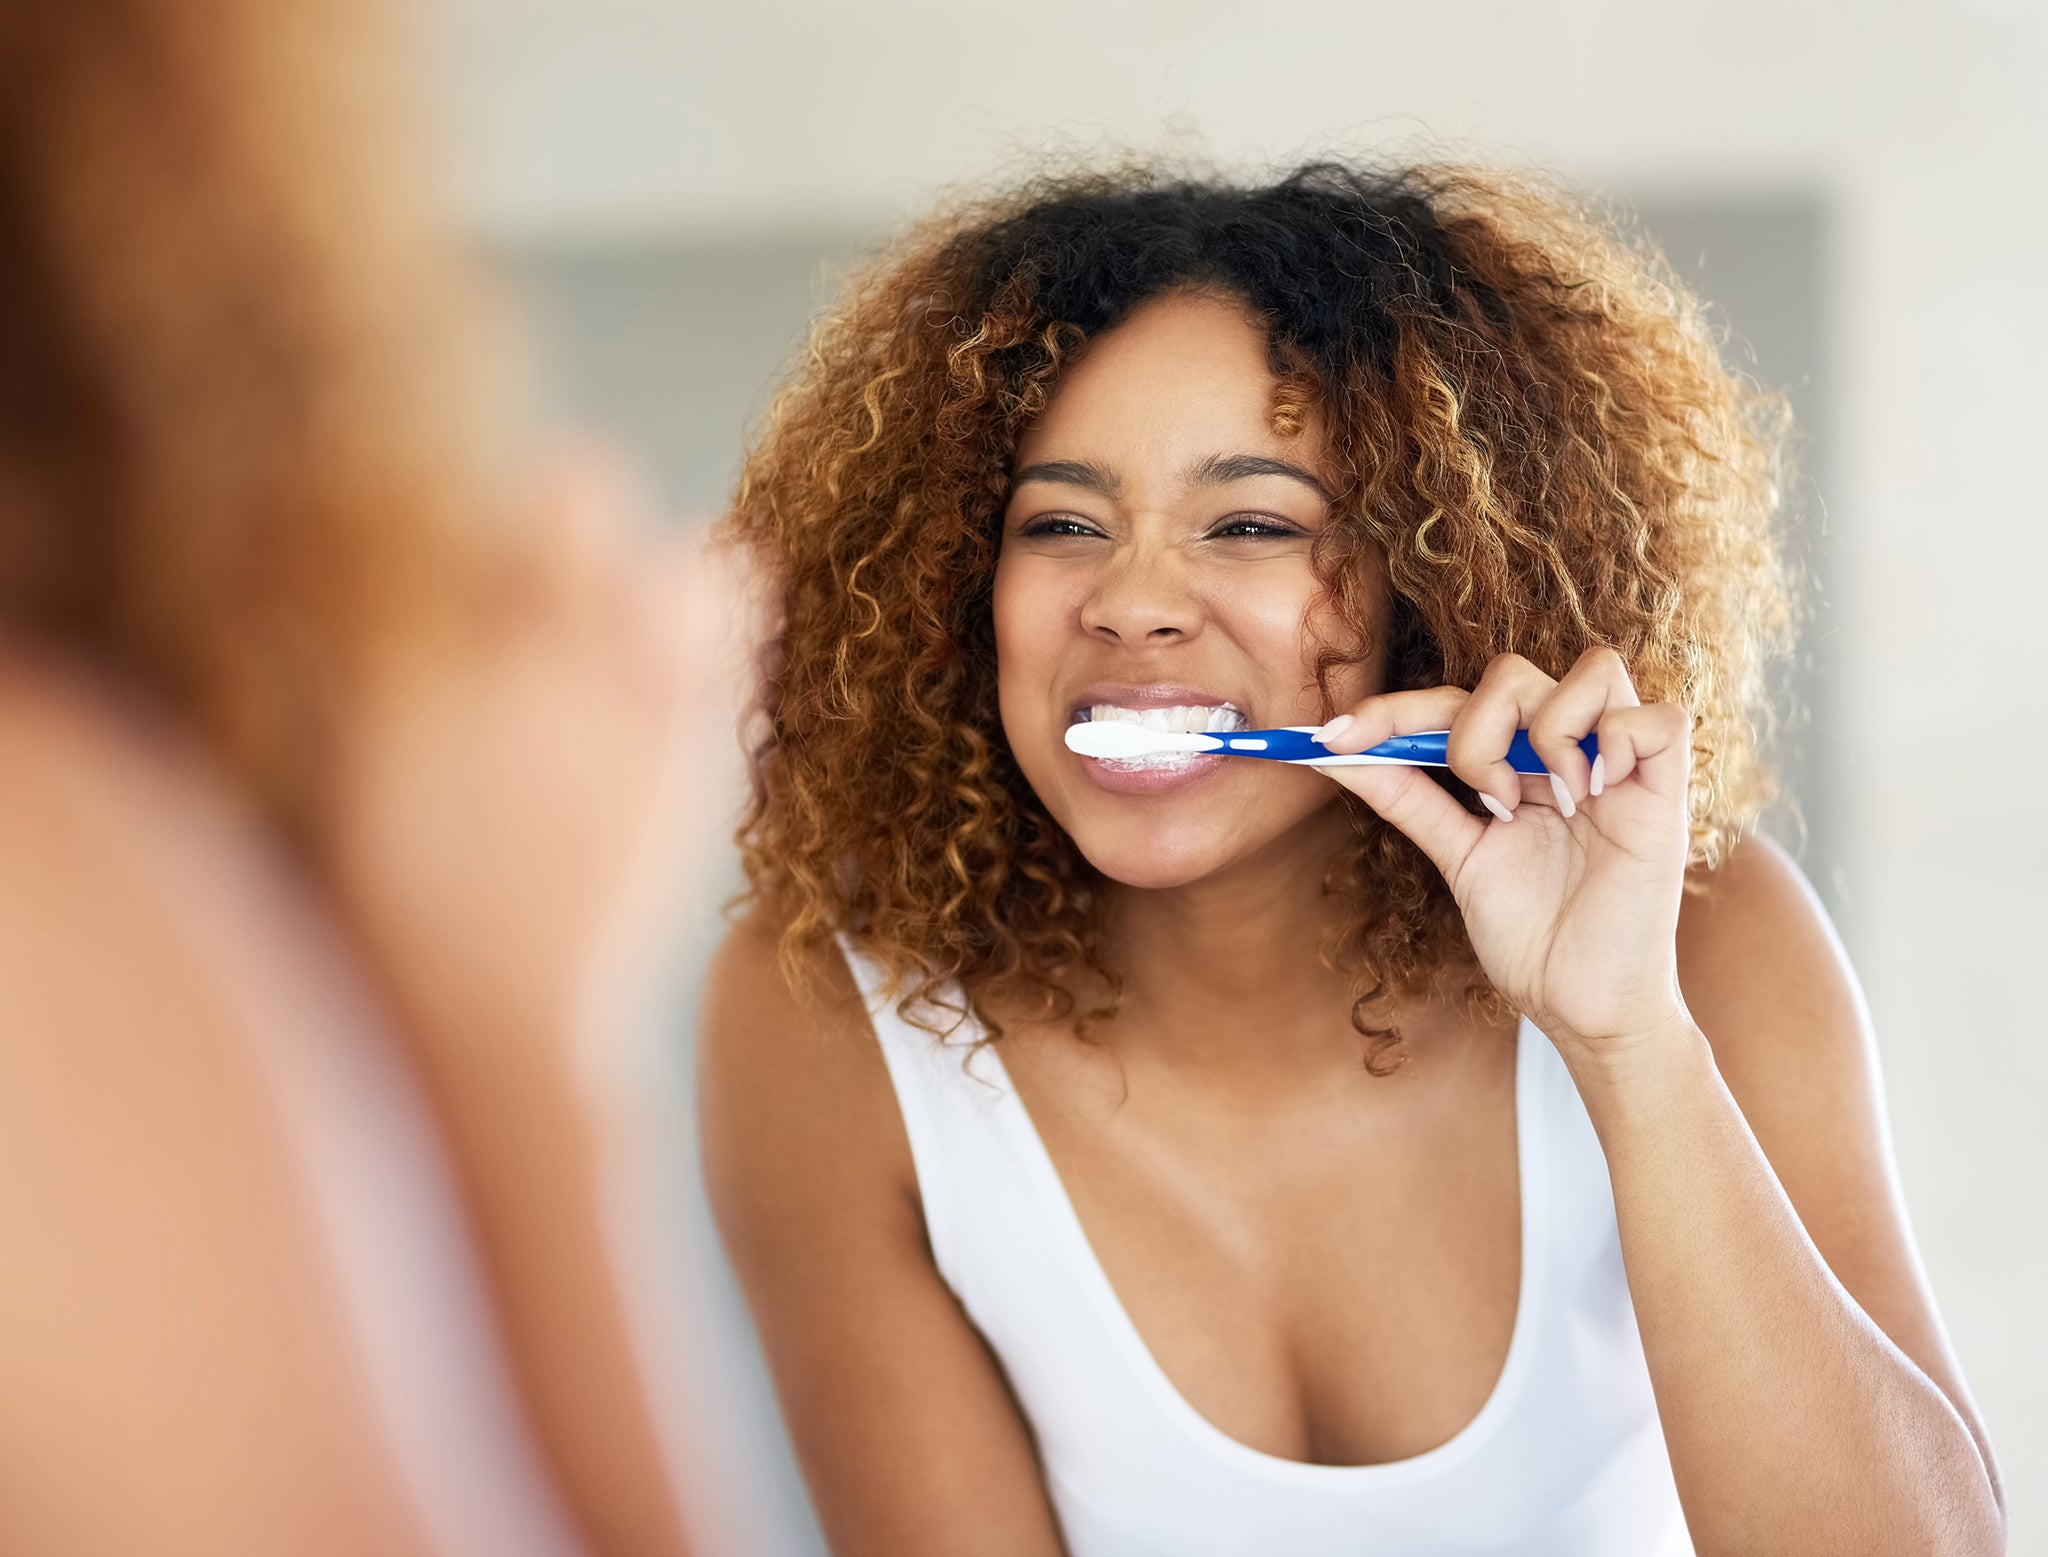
pixel 1180 719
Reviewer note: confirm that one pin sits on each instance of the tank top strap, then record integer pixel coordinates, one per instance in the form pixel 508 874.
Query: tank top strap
pixel 955 1101
pixel 1580 1229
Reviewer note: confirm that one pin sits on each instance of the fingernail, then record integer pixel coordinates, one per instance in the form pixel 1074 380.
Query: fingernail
pixel 1564 796
pixel 1599 776
pixel 1495 807
pixel 1334 728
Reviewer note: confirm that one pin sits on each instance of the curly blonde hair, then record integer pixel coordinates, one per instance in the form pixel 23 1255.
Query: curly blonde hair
pixel 1528 419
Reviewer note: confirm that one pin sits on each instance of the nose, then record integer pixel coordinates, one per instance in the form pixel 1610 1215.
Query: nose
pixel 1144 596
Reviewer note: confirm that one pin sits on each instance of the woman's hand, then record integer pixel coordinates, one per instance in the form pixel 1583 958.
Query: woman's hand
pixel 1570 891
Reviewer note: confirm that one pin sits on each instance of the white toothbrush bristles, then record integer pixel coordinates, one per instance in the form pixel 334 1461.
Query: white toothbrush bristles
pixel 1118 740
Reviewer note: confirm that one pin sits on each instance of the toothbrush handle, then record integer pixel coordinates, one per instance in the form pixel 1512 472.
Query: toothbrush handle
pixel 1425 748
pixel 1523 759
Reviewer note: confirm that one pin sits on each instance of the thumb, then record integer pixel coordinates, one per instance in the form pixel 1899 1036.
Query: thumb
pixel 1420 807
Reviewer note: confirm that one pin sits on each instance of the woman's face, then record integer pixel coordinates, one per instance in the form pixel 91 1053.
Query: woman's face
pixel 1155 566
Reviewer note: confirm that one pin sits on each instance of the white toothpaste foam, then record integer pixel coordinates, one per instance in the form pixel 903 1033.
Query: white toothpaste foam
pixel 1182 719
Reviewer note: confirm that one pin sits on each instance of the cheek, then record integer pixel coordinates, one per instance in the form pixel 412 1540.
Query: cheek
pixel 1030 612
pixel 1009 604
pixel 1277 621
pixel 1361 651
pixel 1284 622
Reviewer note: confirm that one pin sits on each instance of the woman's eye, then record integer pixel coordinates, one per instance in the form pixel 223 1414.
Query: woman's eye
pixel 1252 526
pixel 1059 525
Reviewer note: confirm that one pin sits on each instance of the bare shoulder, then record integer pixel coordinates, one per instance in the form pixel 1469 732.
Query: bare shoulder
pixel 120 849
pixel 1766 978
pixel 900 1415
pixel 73 764
pixel 196 1134
pixel 1755 914
pixel 152 922
pixel 797 1112
pixel 747 991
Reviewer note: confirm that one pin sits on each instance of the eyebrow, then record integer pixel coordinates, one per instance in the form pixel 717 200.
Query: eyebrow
pixel 1216 470
pixel 1220 468
pixel 1072 473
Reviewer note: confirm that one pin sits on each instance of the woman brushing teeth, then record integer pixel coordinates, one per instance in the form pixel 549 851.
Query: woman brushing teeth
pixel 1361 1160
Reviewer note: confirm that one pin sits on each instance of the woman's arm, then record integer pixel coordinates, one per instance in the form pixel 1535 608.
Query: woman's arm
pixel 905 1427
pixel 1808 1394
pixel 1795 1423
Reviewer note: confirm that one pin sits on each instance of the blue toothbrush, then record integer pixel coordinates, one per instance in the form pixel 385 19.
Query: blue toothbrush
pixel 1121 740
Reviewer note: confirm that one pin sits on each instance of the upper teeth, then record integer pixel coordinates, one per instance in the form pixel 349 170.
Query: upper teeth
pixel 1187 719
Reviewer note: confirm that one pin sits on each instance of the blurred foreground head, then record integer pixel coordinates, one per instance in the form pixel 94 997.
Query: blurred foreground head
pixel 242 427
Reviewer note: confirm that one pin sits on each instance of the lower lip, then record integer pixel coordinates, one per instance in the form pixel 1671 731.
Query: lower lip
pixel 1131 779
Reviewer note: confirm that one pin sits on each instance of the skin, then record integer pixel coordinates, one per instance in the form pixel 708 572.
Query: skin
pixel 336 1191
pixel 1224 1126
pixel 517 813
pixel 218 1173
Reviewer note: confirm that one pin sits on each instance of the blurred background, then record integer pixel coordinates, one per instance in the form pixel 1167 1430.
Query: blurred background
pixel 1862 192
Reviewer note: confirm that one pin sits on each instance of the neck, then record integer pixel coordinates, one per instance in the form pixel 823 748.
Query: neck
pixel 1227 971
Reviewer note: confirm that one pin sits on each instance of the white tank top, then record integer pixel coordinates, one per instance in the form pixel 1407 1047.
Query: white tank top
pixel 1565 1459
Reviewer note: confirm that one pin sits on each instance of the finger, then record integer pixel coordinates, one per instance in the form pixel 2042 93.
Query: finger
pixel 1420 807
pixel 1651 744
pixel 1597 682
pixel 1506 698
pixel 1387 714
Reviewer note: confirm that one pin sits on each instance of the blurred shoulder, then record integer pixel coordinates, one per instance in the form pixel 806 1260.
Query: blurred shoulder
pixel 65 736
pixel 85 761
pixel 130 869
pixel 94 790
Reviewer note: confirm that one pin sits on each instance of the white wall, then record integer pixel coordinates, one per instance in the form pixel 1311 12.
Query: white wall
pixel 1924 127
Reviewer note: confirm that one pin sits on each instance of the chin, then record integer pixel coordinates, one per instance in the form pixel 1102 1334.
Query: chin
pixel 1151 866
pixel 1159 830
pixel 1161 844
